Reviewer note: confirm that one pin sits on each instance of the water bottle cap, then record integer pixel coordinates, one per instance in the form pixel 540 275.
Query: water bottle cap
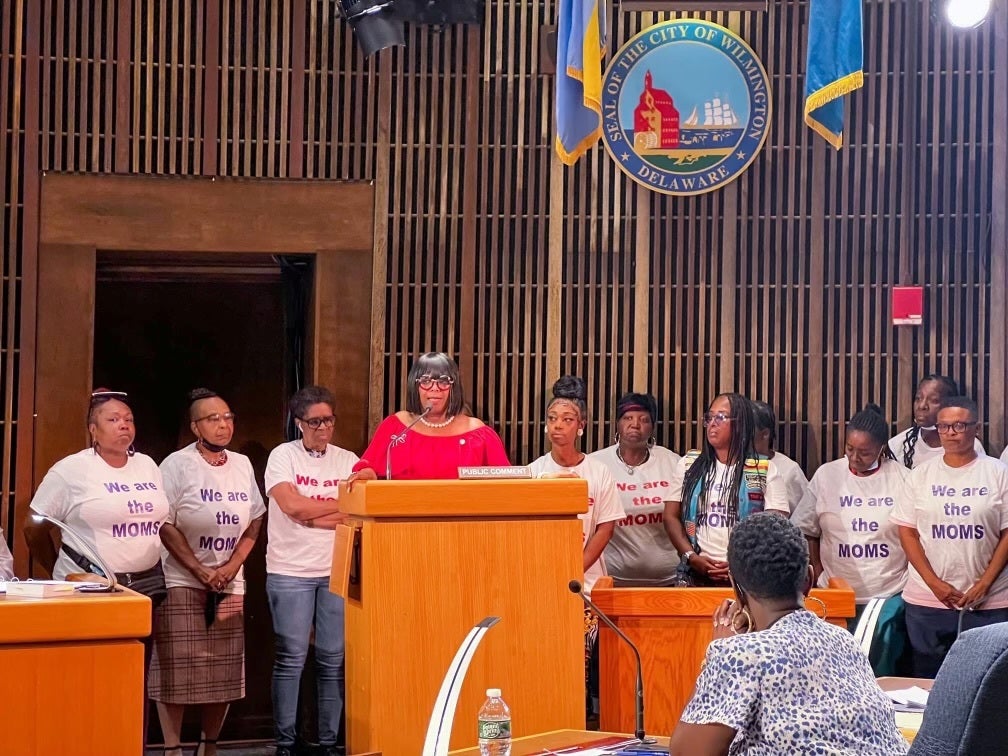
pixel 493 693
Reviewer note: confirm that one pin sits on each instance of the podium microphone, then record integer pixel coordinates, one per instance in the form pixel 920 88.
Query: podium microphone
pixel 88 553
pixel 575 587
pixel 398 439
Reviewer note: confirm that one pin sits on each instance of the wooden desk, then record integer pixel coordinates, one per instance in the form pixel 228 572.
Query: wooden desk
pixel 672 628
pixel 908 722
pixel 71 674
pixel 534 745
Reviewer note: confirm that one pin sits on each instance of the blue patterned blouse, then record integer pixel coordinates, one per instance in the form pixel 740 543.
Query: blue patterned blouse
pixel 800 687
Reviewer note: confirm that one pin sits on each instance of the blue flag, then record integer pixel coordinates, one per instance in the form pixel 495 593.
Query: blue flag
pixel 580 47
pixel 835 61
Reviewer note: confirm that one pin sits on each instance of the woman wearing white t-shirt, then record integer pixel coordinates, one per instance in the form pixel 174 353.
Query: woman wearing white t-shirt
pixel 566 417
pixel 639 552
pixel 216 513
pixel 112 497
pixel 921 442
pixel 954 530
pixel 845 516
pixel 715 488
pixel 302 481
pixel 764 435
pixel 6 560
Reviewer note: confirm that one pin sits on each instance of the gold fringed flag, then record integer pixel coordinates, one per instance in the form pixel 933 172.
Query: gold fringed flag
pixel 835 61
pixel 580 48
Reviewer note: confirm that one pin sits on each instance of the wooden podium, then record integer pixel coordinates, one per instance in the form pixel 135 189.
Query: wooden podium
pixel 71 674
pixel 427 560
pixel 672 628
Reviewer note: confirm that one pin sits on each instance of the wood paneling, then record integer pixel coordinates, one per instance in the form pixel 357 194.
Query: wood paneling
pixel 490 249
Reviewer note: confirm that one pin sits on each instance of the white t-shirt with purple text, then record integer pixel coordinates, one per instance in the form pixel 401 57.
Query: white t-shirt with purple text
pixel 117 511
pixel 211 507
pixel 850 515
pixel 959 513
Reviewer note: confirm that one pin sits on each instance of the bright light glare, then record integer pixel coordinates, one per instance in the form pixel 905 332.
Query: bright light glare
pixel 967 13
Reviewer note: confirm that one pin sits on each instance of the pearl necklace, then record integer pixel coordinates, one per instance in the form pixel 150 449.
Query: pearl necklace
pixel 429 424
pixel 631 469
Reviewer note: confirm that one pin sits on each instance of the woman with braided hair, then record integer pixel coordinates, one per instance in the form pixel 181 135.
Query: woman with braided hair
pixel 845 516
pixel 920 442
pixel 717 487
pixel 777 679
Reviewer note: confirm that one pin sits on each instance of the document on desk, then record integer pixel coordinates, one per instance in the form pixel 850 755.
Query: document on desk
pixel 908 699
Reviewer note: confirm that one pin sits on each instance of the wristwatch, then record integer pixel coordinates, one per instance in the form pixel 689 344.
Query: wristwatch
pixel 686 557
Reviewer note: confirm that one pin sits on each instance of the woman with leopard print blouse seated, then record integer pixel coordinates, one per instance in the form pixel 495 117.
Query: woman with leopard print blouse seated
pixel 776 678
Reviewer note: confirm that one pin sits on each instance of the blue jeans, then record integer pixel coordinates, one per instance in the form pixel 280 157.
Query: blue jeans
pixel 297 603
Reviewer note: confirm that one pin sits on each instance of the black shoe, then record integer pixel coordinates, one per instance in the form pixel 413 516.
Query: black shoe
pixel 332 750
pixel 284 751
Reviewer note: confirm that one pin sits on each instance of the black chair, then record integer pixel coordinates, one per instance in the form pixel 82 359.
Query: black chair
pixel 966 709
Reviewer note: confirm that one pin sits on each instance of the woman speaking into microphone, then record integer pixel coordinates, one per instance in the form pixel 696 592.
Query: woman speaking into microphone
pixel 441 435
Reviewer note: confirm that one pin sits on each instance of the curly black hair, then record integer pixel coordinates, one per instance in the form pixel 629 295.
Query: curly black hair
pixel 302 401
pixel 768 556
pixel 870 420
pixel 962 402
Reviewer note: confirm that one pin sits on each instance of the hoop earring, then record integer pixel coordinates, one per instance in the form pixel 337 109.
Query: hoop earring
pixel 651 442
pixel 95 449
pixel 580 432
pixel 749 622
pixel 821 603
pixel 617 437
pixel 131 450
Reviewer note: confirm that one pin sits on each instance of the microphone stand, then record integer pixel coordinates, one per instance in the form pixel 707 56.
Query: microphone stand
pixel 575 587
pixel 400 438
pixel 82 546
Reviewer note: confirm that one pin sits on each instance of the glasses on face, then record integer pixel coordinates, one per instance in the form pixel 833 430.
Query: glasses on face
pixel 216 417
pixel 716 418
pixel 957 427
pixel 317 422
pixel 427 382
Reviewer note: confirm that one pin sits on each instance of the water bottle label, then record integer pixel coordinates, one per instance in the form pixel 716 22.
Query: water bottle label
pixel 495 729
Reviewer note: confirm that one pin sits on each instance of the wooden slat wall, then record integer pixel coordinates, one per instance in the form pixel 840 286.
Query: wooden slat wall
pixel 777 285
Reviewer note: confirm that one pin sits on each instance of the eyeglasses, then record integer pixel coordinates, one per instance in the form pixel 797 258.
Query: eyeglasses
pixel 957 427
pixel 426 382
pixel 716 418
pixel 317 422
pixel 216 417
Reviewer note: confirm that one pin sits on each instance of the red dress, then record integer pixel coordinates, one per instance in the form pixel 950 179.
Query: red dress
pixel 421 457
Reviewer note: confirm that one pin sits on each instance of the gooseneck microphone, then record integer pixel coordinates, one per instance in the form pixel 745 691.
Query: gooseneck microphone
pixel 89 553
pixel 575 587
pixel 400 438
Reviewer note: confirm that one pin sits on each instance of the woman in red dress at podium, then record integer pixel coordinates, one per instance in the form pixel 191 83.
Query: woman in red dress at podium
pixel 434 435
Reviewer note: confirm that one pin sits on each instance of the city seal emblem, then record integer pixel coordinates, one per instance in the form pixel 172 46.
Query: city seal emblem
pixel 685 107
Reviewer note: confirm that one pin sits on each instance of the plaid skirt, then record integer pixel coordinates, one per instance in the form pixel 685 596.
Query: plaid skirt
pixel 193 663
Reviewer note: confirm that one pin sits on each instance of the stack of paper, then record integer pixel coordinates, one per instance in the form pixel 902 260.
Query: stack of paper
pixel 38 588
pixel 908 699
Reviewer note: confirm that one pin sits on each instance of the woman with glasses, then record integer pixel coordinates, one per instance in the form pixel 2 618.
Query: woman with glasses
pixel 302 481
pixel 717 487
pixel 845 514
pixel 215 515
pixel 921 442
pixel 434 435
pixel 954 530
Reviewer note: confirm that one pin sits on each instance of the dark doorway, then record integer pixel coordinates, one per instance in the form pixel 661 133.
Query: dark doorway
pixel 167 324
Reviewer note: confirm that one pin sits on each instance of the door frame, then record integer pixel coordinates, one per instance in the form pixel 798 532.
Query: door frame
pixel 82 214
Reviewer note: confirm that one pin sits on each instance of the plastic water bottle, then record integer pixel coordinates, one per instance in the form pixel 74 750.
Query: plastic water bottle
pixel 494 725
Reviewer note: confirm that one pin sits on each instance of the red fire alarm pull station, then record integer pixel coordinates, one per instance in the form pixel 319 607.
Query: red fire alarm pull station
pixel 907 305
